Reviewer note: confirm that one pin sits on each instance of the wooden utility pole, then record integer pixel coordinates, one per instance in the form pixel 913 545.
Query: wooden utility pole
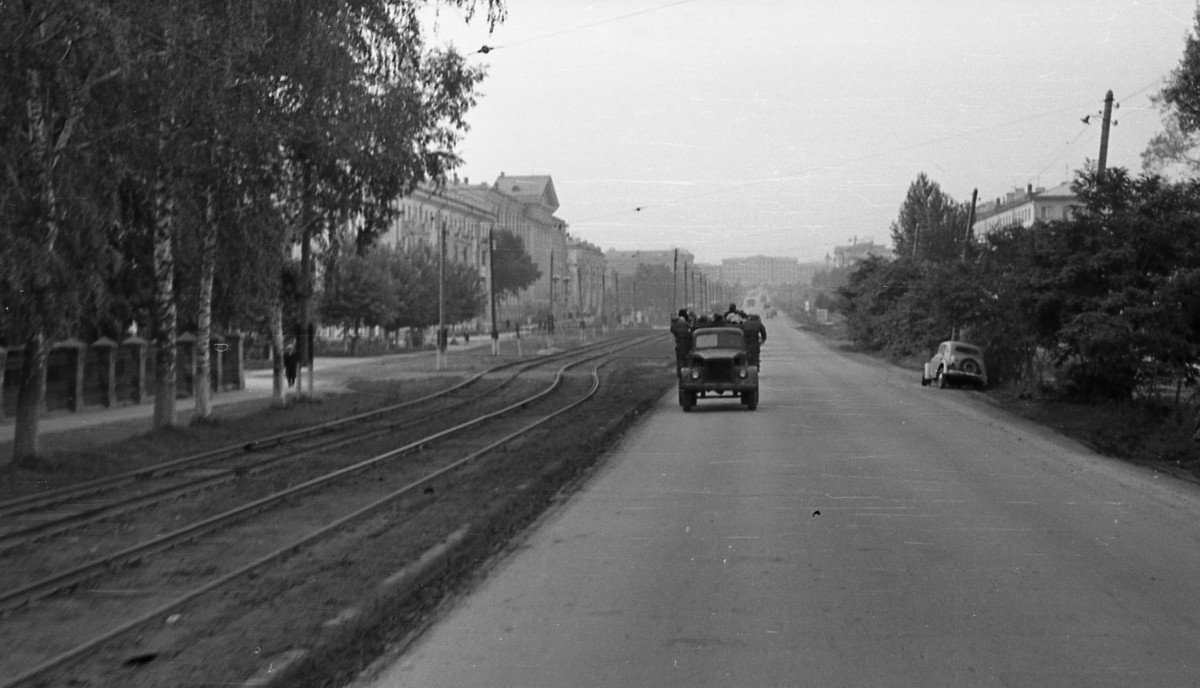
pixel 441 292
pixel 1108 106
pixel 604 299
pixel 617 295
pixel 550 322
pixel 971 220
pixel 685 301
pixel 492 289
pixel 675 282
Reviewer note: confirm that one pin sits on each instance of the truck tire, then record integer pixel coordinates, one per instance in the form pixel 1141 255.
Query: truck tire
pixel 750 399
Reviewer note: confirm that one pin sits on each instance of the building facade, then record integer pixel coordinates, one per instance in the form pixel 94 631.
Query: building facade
pixel 586 267
pixel 1024 207
pixel 844 256
pixel 762 270
pixel 524 206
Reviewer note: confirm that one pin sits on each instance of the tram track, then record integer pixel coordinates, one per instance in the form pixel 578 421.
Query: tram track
pixel 17 508
pixel 28 519
pixel 238 528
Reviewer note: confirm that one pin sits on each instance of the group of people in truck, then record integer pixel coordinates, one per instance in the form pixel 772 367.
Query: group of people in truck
pixel 685 323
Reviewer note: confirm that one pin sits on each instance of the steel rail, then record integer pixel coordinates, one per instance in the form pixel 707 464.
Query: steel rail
pixel 58 495
pixel 16 597
pixel 313 536
pixel 16 538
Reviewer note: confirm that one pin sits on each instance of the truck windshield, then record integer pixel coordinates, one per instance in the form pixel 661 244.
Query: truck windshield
pixel 719 340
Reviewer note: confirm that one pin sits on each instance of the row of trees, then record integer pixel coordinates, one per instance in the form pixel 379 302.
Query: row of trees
pixel 162 159
pixel 1106 299
pixel 393 289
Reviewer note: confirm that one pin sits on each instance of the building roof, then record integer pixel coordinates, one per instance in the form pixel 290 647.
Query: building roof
pixel 537 189
pixel 1061 191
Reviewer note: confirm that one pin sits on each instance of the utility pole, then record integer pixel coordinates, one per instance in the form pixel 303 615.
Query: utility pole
pixel 685 300
pixel 550 322
pixel 604 300
pixel 1108 106
pixel 971 221
pixel 492 289
pixel 617 295
pixel 675 282
pixel 441 292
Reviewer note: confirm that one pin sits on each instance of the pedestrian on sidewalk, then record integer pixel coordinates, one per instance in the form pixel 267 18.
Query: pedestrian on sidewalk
pixel 290 359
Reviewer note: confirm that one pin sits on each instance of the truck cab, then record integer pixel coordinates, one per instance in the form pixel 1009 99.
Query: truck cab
pixel 718 365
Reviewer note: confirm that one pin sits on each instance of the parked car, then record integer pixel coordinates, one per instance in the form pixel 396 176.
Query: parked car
pixel 955 363
pixel 718 364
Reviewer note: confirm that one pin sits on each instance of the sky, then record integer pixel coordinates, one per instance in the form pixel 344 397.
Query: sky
pixel 788 127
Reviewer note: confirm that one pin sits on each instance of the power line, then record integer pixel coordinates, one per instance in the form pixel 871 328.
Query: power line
pixel 863 158
pixel 489 48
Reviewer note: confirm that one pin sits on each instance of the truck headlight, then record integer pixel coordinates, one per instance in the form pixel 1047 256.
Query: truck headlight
pixel 743 373
pixel 695 374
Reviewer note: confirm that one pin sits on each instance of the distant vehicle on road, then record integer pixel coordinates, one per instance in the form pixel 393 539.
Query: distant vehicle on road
pixel 718 364
pixel 955 363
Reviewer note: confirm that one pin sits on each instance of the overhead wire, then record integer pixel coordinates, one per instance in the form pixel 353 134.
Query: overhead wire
pixel 814 168
pixel 490 48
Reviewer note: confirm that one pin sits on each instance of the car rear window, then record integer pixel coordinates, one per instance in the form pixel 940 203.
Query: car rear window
pixel 968 350
pixel 718 340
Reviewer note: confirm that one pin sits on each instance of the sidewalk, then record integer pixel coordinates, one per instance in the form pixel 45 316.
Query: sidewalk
pixel 332 375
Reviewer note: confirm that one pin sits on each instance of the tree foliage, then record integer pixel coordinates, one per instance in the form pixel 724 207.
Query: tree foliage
pixel 1179 103
pixel 197 140
pixel 1104 297
pixel 931 225
pixel 395 289
pixel 513 268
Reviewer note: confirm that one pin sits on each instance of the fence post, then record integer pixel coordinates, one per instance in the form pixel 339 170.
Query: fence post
pixel 237 358
pixel 139 375
pixel 216 348
pixel 185 352
pixel 3 366
pixel 74 372
pixel 108 369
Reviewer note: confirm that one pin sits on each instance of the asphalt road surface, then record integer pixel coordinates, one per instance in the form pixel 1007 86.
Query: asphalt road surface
pixel 856 530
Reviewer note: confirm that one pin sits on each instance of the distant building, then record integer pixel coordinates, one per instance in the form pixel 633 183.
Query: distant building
pixel 627 262
pixel 585 266
pixel 1024 207
pixel 763 270
pixel 844 256
pixel 523 205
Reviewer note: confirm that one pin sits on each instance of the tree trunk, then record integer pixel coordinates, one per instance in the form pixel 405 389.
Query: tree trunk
pixel 208 259
pixel 31 396
pixel 164 306
pixel 278 398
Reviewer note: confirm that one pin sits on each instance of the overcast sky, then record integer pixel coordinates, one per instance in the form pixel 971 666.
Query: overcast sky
pixel 788 127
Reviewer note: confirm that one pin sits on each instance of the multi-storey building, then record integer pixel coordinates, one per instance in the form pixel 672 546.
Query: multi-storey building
pixel 627 262
pixel 523 205
pixel 1024 207
pixel 762 270
pixel 844 256
pixel 586 267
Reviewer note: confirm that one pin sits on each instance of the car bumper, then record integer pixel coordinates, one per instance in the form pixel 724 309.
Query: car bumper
pixel 960 376
pixel 738 384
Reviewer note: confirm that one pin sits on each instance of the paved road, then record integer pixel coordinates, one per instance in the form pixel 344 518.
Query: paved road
pixel 955 546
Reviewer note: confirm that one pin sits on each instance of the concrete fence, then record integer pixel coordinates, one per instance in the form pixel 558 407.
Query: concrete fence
pixel 108 373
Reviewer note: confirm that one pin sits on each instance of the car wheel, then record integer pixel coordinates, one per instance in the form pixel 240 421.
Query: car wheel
pixel 942 383
pixel 924 380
